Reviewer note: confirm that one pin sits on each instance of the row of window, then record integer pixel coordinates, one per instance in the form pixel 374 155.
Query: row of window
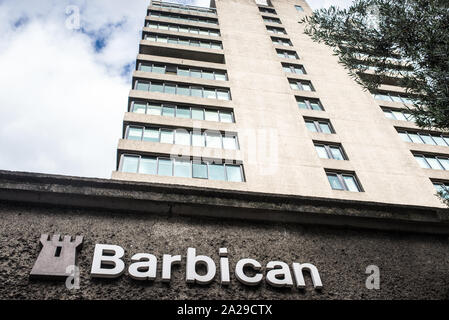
pixel 304 85
pixel 169 15
pixel 184 41
pixel 424 138
pixel 271 20
pixel 309 104
pixel 394 72
pixel 393 60
pixel 392 97
pixel 282 42
pixel 182 168
pixel 294 68
pixel 276 30
pixel 344 181
pixel 267 10
pixel 287 54
pixel 319 125
pixel 433 162
pixel 187 29
pixel 173 111
pixel 196 138
pixel 330 151
pixel 183 90
pixel 192 9
pixel 183 71
pixel 219 172
pixel 398 114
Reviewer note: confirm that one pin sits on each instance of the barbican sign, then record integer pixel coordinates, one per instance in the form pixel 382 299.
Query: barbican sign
pixel 58 256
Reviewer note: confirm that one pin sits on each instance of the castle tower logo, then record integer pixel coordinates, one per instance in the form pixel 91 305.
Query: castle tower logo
pixel 57 257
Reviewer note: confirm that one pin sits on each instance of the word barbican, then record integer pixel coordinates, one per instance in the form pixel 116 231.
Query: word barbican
pixel 107 263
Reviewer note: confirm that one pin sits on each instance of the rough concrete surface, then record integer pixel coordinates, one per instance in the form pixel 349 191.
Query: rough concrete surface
pixel 411 266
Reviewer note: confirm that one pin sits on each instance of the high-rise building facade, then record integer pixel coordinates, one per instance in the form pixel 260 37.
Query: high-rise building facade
pixel 237 97
pixel 249 152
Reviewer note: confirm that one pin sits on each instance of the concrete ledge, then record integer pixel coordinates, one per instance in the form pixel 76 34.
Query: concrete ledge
pixel 149 198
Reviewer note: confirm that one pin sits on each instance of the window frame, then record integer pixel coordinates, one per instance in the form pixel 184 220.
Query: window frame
pixel 316 123
pixel 185 41
pixel 203 109
pixel 191 162
pixel 327 147
pixel 281 41
pixel 340 176
pixel 435 157
pixel 226 91
pixel 174 132
pixel 286 54
pixel 293 68
pixel 301 83
pixel 428 135
pixel 308 102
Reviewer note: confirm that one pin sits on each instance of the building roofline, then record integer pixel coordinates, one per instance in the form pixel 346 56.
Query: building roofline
pixel 164 199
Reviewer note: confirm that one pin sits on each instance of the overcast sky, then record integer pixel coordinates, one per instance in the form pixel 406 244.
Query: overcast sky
pixel 64 85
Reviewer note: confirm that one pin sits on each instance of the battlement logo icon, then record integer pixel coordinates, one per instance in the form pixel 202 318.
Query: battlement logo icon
pixel 56 256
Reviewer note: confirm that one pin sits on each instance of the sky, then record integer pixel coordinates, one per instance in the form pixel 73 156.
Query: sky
pixel 65 74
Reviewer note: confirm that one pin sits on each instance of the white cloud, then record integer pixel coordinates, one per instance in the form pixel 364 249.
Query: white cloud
pixel 61 101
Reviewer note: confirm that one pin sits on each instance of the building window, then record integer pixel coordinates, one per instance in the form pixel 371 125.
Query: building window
pixel 398 115
pixel 432 161
pixel 303 85
pixel 299 8
pixel 183 168
pixel 344 181
pixel 181 28
pixel 293 68
pixel 442 188
pixel 183 90
pixel 196 138
pixel 319 125
pixel 330 151
pixel 267 10
pixel 392 97
pixel 310 104
pixel 424 138
pixel 184 41
pixel 271 20
pixel 183 71
pixel 184 112
pixel 181 17
pixel 287 54
pixel 276 30
pixel 282 42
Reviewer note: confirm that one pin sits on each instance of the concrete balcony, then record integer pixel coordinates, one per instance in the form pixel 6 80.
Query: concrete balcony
pixel 180 79
pixel 181 51
pixel 337 165
pixel 193 101
pixel 180 34
pixel 182 62
pixel 195 24
pixel 427 148
pixel 182 10
pixel 298 76
pixel 145 119
pixel 165 149
pixel 319 136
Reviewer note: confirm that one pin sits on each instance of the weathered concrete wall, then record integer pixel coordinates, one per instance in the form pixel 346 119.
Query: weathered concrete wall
pixel 412 266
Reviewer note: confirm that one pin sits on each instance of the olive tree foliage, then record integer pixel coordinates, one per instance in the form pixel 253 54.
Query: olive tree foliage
pixel 404 41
